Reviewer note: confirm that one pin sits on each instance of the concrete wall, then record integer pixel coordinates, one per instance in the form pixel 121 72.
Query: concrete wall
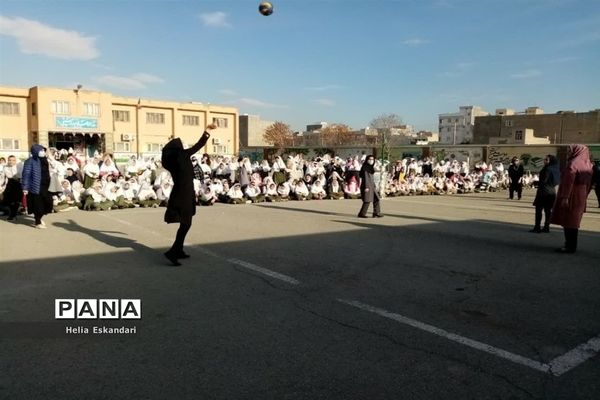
pixel 561 128
pixel 252 129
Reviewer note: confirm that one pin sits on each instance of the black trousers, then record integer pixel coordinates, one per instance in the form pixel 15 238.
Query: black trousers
pixel 597 190
pixel 571 238
pixel 177 247
pixel 14 208
pixel 544 205
pixel 515 187
pixel 365 208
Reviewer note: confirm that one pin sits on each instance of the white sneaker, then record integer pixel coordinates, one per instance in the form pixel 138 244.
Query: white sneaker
pixel 43 224
pixel 40 226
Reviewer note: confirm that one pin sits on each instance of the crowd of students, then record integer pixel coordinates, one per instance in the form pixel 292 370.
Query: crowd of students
pixel 98 183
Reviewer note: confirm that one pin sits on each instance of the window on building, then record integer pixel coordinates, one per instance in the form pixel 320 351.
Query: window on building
pixel 91 109
pixel 519 135
pixel 61 107
pixel 220 150
pixel 192 120
pixel 9 144
pixel 441 121
pixel 122 147
pixel 120 116
pixel 7 108
pixel 508 123
pixel 155 118
pixel 220 122
pixel 153 147
pixel 34 109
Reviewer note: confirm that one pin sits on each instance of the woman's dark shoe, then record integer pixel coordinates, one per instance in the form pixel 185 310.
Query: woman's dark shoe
pixel 565 250
pixel 173 258
pixel 545 229
pixel 535 230
pixel 362 216
pixel 378 216
pixel 182 255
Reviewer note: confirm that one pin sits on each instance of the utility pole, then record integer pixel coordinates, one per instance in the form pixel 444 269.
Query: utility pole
pixel 381 170
pixel 454 137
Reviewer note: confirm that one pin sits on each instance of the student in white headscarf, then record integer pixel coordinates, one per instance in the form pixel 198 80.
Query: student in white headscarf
pixel 317 191
pixel 65 200
pixel 108 167
pixel 163 192
pixel 270 193
pixel 301 191
pixel 334 190
pixel 95 199
pixel 235 195
pixel 207 196
pixel 253 193
pixel 129 193
pixel 147 196
pixel 91 172
pixel 13 194
pixel 283 191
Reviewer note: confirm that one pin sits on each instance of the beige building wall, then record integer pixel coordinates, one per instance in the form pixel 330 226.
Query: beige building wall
pixel 120 125
pixel 560 128
pixel 14 122
pixel 252 129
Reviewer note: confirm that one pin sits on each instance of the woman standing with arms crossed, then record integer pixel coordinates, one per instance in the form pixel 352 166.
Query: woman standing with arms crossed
pixel 368 192
pixel 546 193
pixel 570 204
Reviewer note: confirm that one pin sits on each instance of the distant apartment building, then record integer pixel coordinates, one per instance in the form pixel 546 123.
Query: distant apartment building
pixel 91 121
pixel 403 130
pixel 317 126
pixel 252 129
pixel 533 126
pixel 457 128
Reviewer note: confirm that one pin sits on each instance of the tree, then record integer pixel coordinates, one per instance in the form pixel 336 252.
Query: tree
pixel 336 134
pixel 384 124
pixel 278 134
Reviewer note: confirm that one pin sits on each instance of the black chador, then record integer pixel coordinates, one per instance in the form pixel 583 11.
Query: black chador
pixel 182 203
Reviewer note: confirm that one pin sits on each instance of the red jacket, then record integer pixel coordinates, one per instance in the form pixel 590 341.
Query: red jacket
pixel 575 185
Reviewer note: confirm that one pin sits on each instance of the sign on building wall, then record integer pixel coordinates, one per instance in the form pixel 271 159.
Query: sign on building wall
pixel 82 123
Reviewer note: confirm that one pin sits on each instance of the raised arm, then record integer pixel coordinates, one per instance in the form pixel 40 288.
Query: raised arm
pixel 195 148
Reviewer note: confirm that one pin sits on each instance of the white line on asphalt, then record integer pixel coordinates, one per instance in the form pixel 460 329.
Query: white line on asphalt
pixel 573 358
pixel 235 261
pixel 451 336
pixel 264 271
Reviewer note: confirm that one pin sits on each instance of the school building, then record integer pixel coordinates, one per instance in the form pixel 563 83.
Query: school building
pixel 91 121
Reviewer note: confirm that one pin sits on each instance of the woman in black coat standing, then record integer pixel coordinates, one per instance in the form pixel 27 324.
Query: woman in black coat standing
pixel 546 193
pixel 182 203
pixel 368 192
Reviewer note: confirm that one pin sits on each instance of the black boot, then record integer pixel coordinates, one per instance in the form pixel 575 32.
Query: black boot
pixel 173 258
pixel 536 229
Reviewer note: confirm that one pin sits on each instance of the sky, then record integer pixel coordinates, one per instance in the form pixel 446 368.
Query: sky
pixel 340 61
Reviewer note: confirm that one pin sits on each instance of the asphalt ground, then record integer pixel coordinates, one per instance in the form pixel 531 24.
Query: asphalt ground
pixel 446 297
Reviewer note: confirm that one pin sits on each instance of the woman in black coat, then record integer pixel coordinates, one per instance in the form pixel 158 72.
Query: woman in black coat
pixel 182 203
pixel 546 193
pixel 368 192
